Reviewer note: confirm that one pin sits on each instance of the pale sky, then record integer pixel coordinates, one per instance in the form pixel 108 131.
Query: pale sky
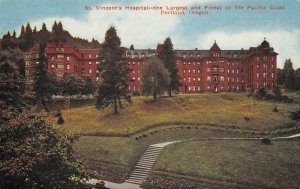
pixel 231 29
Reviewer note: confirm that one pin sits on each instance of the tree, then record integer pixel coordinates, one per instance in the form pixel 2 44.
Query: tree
pixel 12 97
pixel 131 47
pixel 289 79
pixel 44 27
pixel 71 85
pixel 297 77
pixel 168 57
pixel 89 86
pixel 35 155
pixel 22 34
pixel 45 84
pixel 154 77
pixel 280 76
pixel 114 73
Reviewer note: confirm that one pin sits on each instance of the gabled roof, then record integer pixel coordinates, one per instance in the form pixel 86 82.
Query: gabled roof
pixel 215 47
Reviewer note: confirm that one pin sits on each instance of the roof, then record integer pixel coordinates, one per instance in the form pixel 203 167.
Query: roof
pixel 215 47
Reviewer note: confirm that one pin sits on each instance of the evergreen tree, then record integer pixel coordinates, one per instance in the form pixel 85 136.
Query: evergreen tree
pixel 154 77
pixel 28 38
pixel 22 34
pixel 14 34
pixel 289 79
pixel 45 85
pixel 280 76
pixel 114 73
pixel 59 27
pixel 131 47
pixel 54 27
pixel 168 57
pixel 44 27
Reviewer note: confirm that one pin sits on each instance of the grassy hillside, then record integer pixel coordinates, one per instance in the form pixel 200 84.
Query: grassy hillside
pixel 241 162
pixel 112 144
pixel 223 109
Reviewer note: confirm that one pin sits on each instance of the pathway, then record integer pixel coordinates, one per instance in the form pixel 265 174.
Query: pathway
pixel 145 163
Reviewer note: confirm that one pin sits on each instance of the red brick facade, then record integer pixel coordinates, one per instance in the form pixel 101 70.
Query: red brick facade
pixel 212 70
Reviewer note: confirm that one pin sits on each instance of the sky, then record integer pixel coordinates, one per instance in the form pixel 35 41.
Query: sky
pixel 232 29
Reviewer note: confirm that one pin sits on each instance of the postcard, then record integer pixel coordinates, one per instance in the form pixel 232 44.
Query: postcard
pixel 154 94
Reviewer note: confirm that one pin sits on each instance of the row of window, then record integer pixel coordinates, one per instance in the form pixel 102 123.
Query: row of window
pixel 215 79
pixel 265 66
pixel 265 58
pixel 265 75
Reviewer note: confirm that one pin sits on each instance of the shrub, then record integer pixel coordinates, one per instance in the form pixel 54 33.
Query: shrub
pixel 60 120
pixel 295 115
pixel 261 93
pixel 266 141
pixel 275 109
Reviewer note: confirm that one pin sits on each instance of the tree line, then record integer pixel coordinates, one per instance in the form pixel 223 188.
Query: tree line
pixel 288 77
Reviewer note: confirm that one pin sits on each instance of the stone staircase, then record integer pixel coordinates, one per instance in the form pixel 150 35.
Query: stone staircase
pixel 144 165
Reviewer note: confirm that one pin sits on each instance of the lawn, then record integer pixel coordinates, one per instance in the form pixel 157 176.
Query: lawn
pixel 245 163
pixel 223 109
pixel 186 118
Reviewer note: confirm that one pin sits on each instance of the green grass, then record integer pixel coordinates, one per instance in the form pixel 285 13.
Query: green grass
pixel 215 160
pixel 221 109
pixel 248 162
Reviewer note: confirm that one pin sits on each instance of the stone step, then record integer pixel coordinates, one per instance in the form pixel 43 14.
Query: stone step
pixel 134 182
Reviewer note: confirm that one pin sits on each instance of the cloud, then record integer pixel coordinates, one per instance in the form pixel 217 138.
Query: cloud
pixel 286 43
pixel 143 29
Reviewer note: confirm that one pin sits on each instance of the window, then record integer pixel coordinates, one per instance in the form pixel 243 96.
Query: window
pixel 272 66
pixel 90 55
pixel 183 71
pixel 27 63
pixel 68 66
pixel 199 88
pixel 257 75
pixel 138 78
pixel 97 62
pixel 272 75
pixel 208 87
pixel 232 71
pixel 90 63
pixel 52 58
pixel 257 65
pixel 221 78
pixel 208 78
pixel 133 71
pixel 198 78
pixel 198 70
pixel 189 71
pixel 52 66
pixel 68 58
pixel 97 79
pixel 208 69
pixel 221 69
pixel 189 79
pixel 90 70
pixel 237 70
pixel 194 71
pixel 194 79
pixel 189 88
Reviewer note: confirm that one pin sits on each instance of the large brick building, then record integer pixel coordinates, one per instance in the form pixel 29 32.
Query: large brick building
pixel 212 70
